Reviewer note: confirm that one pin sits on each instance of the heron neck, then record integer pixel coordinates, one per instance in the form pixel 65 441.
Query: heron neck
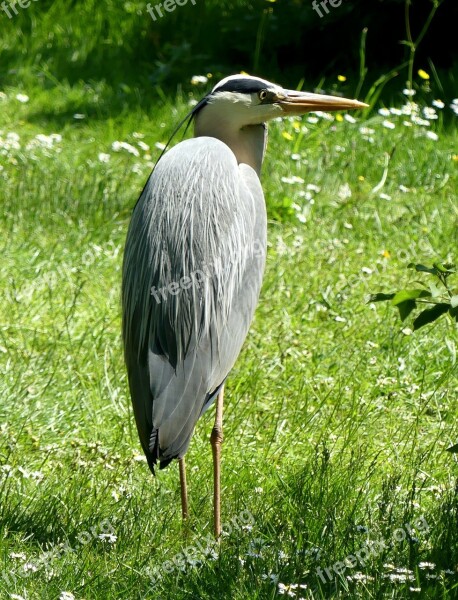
pixel 247 143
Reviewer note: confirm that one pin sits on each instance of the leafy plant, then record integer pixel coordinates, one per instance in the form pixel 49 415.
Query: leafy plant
pixel 438 294
pixel 442 298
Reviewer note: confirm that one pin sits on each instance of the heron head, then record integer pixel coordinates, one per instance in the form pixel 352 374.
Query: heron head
pixel 243 100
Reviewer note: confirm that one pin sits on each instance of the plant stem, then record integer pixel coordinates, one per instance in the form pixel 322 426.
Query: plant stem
pixel 413 45
pixel 362 62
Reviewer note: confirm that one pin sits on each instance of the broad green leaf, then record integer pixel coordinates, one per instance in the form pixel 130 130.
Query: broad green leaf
pixel 380 297
pixel 454 301
pixel 405 308
pixel 430 315
pixel 404 295
pixel 435 291
pixel 422 268
pixel 442 268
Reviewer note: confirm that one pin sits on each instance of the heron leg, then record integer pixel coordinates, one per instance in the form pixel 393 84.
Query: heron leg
pixel 216 440
pixel 183 488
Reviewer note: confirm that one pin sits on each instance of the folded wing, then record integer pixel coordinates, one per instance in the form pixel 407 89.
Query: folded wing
pixel 192 273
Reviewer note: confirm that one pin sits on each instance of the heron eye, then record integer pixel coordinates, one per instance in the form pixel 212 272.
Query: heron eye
pixel 262 94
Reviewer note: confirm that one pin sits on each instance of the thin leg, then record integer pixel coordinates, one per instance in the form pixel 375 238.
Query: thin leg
pixel 183 487
pixel 216 440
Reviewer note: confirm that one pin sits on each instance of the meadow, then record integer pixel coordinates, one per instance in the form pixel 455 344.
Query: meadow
pixel 336 479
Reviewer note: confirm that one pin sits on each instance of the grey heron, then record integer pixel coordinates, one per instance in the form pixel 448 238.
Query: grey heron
pixel 193 265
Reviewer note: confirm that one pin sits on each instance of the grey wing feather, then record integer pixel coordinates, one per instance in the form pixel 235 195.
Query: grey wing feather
pixel 192 273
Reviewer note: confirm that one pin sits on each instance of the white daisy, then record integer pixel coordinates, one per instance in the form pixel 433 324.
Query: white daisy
pixel 118 146
pixel 432 136
pixel 199 79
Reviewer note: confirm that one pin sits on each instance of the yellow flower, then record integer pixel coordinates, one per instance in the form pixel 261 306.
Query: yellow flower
pixel 386 254
pixel 339 117
pixel 341 78
pixel 455 158
pixel 361 178
pixel 287 136
pixel 423 74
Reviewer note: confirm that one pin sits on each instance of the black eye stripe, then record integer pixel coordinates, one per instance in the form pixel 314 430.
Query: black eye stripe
pixel 245 86
pixel 242 85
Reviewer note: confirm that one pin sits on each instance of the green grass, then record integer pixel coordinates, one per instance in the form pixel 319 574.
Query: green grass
pixel 336 420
